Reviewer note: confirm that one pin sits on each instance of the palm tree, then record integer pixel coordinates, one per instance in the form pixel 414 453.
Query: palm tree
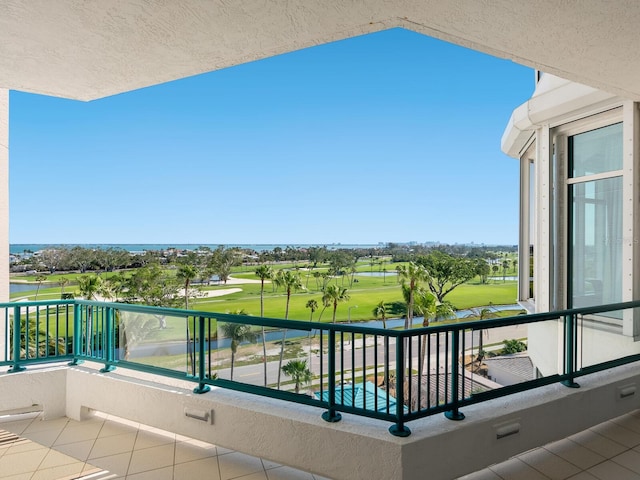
pixel 187 273
pixel 380 310
pixel 313 306
pixel 237 333
pixel 410 276
pixel 299 373
pixel 89 286
pixel 39 279
pixel 333 295
pixel 290 282
pixel 263 272
pixel 481 314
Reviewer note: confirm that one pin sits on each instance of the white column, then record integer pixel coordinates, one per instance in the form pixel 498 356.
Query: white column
pixel 4 198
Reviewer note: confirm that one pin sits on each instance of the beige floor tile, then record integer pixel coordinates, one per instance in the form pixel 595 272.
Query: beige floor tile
pixel 618 433
pixel 288 473
pixel 78 432
pixel 23 445
pixel 112 445
pixel 110 429
pixel 236 464
pixel 55 459
pixel 20 476
pixel 481 475
pixel 629 459
pixel 22 462
pixel 597 443
pixel 157 474
pixel 186 452
pixel 584 476
pixel 79 450
pixel 629 421
pixel 151 458
pixel 549 464
pixel 117 464
pixel 254 476
pixel 204 468
pixel 516 469
pixel 612 471
pixel 39 425
pixel 16 427
pixel 46 438
pixel 575 453
pixel 148 440
pixel 71 470
pixel 269 464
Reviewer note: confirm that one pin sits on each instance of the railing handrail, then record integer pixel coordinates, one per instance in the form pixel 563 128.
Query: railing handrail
pixel 96 341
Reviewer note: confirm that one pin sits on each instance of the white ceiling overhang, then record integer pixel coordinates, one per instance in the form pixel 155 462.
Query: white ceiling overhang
pixel 88 49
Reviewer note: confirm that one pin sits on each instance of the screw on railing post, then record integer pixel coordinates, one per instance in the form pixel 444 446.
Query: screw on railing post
pixel 331 415
pixel 15 354
pixel 399 429
pixel 108 342
pixel 202 387
pixel 455 414
pixel 570 339
pixel 77 335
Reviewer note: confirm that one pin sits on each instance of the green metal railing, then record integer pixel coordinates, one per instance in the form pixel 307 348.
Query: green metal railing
pixel 388 374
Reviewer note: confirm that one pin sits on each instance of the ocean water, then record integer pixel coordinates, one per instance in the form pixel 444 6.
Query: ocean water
pixel 16 248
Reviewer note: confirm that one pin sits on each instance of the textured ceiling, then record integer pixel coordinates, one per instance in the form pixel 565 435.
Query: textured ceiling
pixel 87 49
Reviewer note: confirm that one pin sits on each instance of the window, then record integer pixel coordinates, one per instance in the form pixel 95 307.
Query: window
pixel 595 217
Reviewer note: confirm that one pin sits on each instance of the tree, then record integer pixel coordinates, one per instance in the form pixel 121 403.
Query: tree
pixel 237 333
pixel 299 373
pixel 89 286
pixel 313 306
pixel 333 295
pixel 380 311
pixel 64 281
pixel 290 282
pixel 482 269
pixel 446 272
pixel 263 272
pixel 39 279
pixel 186 274
pixel 410 276
pixel 481 314
pixel 505 267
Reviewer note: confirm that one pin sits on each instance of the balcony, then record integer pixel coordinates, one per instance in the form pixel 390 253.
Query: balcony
pixel 183 383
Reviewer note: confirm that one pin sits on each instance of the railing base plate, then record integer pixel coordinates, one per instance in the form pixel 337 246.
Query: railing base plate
pixel 570 384
pixel 16 368
pixel 397 431
pixel 454 415
pixel 202 389
pixel 75 362
pixel 107 369
pixel 331 418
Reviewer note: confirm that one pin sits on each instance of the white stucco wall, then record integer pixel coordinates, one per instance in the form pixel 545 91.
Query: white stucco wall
pixel 355 448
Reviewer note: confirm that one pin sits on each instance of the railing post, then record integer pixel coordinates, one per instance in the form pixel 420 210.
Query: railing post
pixel 455 414
pixel 331 415
pixel 77 335
pixel 569 351
pixel 15 356
pixel 399 429
pixel 202 387
pixel 108 342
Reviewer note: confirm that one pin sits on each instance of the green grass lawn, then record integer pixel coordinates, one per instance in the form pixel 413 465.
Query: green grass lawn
pixel 366 293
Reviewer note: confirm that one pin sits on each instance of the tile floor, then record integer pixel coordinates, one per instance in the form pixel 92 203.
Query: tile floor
pixel 105 447
pixel 609 451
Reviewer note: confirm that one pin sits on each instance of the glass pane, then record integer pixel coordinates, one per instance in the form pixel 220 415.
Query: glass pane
pixel 596 151
pixel 596 242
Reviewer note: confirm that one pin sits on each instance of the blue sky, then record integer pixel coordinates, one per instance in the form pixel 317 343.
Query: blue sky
pixel 392 136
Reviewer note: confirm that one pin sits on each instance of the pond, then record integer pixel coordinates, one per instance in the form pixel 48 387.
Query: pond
pixel 376 274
